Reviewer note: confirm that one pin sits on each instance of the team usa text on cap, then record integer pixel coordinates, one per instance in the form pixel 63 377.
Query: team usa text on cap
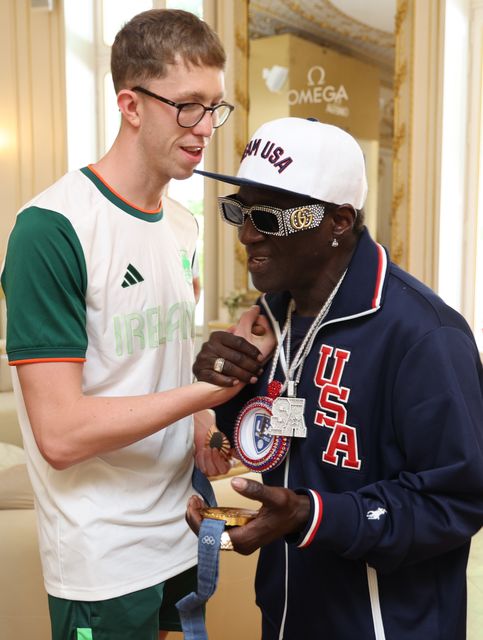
pixel 270 152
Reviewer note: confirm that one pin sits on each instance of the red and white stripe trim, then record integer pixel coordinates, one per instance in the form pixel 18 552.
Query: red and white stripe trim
pixel 381 274
pixel 316 520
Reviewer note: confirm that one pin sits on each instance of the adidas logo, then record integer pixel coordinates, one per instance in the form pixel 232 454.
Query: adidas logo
pixel 132 276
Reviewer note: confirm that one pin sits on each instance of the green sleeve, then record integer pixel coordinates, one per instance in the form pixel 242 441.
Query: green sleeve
pixel 45 279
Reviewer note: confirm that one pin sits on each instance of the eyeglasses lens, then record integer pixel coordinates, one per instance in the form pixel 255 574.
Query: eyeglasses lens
pixel 191 113
pixel 233 213
pixel 220 115
pixel 265 221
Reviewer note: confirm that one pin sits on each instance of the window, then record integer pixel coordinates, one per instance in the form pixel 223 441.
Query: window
pixel 80 66
pixel 473 223
pixel 91 26
pixel 478 289
pixel 460 241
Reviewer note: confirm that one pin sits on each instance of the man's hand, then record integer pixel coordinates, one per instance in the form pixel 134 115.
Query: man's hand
pixel 282 512
pixel 210 461
pixel 256 329
pixel 244 349
pixel 193 513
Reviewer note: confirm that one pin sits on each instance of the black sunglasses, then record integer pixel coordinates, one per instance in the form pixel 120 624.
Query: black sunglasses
pixel 271 220
pixel 190 113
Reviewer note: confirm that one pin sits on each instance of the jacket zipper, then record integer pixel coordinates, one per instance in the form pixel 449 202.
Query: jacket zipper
pixel 284 615
pixel 375 603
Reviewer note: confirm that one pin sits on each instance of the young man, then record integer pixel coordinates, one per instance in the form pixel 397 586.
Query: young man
pixel 368 425
pixel 100 303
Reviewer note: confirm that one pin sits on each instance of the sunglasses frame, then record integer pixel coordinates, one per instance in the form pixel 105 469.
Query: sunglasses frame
pixel 292 220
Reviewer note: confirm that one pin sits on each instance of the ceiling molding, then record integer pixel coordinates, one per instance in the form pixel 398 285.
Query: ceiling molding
pixel 325 24
pixel 374 13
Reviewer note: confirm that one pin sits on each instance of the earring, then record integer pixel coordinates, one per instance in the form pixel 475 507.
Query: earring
pixel 335 243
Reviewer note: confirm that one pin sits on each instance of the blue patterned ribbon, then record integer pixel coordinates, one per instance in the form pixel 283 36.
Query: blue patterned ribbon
pixel 191 606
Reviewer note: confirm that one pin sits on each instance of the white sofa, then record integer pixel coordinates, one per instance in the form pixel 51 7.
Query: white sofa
pixel 23 601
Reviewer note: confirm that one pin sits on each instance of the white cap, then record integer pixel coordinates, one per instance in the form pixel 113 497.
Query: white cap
pixel 305 157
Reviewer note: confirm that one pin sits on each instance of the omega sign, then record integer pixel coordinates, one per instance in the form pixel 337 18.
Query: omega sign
pixel 318 92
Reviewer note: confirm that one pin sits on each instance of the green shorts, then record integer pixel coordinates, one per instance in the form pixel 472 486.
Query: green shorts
pixel 135 616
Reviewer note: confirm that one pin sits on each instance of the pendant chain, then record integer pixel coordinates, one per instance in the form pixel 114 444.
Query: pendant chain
pixel 297 363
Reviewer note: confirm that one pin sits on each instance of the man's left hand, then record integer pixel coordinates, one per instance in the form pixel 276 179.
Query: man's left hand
pixel 242 351
pixel 210 461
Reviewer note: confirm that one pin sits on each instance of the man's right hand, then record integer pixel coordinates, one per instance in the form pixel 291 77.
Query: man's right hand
pixel 243 349
pixel 282 512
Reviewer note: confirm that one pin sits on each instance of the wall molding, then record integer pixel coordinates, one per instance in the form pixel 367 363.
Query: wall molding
pixel 225 265
pixel 418 92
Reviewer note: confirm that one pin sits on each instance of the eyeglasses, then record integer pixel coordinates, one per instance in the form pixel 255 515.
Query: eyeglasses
pixel 190 113
pixel 270 220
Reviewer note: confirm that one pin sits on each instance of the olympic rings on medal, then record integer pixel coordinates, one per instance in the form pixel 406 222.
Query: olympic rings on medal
pixel 219 364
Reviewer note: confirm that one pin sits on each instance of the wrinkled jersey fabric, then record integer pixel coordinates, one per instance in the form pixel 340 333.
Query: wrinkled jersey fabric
pixel 90 278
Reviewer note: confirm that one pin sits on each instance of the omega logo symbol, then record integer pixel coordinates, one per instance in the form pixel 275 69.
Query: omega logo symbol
pixel 310 76
pixel 301 218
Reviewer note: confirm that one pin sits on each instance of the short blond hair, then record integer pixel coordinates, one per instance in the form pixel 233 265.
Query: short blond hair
pixel 154 39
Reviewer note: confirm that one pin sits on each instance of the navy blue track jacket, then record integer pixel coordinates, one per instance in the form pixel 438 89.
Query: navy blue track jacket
pixel 392 462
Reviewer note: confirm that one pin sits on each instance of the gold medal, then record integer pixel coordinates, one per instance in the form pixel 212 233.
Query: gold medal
pixel 233 516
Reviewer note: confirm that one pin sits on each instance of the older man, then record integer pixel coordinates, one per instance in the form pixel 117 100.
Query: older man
pixel 367 424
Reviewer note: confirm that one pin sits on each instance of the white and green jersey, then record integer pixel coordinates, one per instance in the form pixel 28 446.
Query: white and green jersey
pixel 89 277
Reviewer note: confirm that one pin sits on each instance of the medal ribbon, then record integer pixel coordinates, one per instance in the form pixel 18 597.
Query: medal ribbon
pixel 191 606
pixel 202 485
